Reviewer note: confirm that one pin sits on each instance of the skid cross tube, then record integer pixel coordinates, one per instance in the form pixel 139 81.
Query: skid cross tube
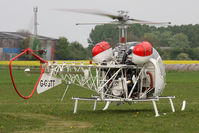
pixel 28 51
pixel 108 101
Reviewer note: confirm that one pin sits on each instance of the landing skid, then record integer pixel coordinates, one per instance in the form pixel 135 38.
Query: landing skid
pixel 108 101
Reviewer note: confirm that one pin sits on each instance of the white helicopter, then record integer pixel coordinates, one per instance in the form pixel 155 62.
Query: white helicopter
pixel 131 72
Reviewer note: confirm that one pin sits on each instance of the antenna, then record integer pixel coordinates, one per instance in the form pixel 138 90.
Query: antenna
pixel 35 9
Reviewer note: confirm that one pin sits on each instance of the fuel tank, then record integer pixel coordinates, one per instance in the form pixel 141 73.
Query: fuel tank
pixel 142 52
pixel 102 52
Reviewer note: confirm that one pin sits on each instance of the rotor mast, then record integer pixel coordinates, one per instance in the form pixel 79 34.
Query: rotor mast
pixel 123 28
pixel 122 34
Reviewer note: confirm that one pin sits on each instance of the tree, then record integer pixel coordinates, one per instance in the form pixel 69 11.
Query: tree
pixel 165 54
pixel 152 38
pixel 65 50
pixel 36 44
pixel 26 43
pixel 61 49
pixel 105 32
pixel 139 30
pixel 183 56
pixel 164 38
pixel 192 52
pixel 179 40
pixel 77 51
pixel 131 37
pixel 174 51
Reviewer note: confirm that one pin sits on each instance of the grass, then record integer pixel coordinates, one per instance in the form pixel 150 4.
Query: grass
pixel 46 113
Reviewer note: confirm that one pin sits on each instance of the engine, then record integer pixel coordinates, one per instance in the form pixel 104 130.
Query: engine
pixel 131 81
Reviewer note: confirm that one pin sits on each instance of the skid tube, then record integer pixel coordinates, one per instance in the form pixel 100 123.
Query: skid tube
pixel 108 101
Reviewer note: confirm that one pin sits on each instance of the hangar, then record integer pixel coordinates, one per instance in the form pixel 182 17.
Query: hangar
pixel 11 44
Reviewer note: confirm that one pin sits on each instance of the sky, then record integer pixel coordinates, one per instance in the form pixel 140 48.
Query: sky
pixel 18 14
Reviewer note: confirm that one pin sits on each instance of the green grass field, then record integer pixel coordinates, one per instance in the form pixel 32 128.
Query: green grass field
pixel 46 113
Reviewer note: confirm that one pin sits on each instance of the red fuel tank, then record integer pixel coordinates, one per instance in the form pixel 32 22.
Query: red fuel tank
pixel 142 52
pixel 102 52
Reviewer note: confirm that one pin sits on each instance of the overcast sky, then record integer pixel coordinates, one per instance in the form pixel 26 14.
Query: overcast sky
pixel 18 14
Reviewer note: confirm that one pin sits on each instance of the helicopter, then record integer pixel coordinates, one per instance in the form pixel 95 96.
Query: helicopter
pixel 129 73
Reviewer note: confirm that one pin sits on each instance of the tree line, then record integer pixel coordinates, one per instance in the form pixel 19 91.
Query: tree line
pixel 65 50
pixel 172 42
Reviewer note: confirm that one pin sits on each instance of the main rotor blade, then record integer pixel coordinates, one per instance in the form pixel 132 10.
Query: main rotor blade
pixel 98 23
pixel 147 22
pixel 152 23
pixel 137 20
pixel 92 12
pixel 126 23
pixel 122 19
